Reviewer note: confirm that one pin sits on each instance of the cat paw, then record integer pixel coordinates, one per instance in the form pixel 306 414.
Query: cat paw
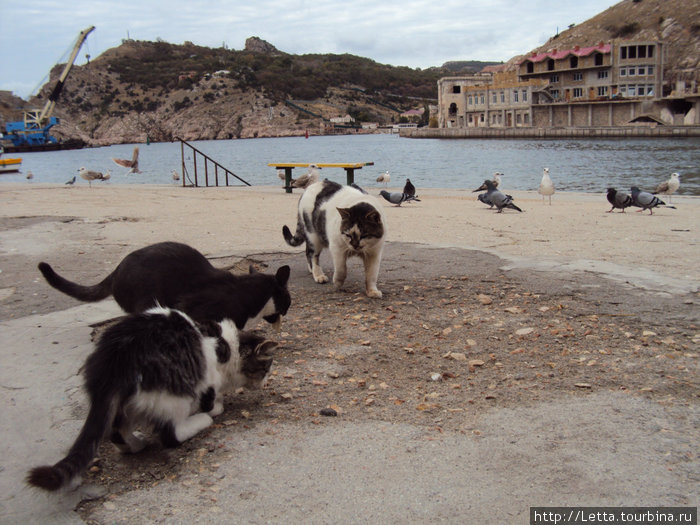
pixel 376 294
pixel 218 409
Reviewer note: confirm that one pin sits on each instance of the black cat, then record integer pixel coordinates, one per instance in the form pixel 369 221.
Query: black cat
pixel 178 276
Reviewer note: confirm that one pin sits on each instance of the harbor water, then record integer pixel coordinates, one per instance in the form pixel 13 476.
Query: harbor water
pixel 581 165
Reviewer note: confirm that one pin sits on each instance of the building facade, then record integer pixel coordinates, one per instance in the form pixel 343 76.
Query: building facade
pixel 610 84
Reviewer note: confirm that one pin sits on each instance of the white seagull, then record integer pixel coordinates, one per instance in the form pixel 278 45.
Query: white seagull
pixel 311 176
pixel 385 178
pixel 89 175
pixel 175 175
pixel 497 178
pixel 546 186
pixel 132 164
pixel 670 186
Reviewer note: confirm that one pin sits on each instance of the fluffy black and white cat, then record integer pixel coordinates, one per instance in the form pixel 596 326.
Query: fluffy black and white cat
pixel 158 371
pixel 346 220
pixel 178 276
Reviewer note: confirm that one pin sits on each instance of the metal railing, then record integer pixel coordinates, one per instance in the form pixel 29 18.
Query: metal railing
pixel 207 161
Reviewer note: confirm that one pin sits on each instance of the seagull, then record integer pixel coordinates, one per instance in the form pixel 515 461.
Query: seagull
pixel 670 186
pixel 497 179
pixel 308 178
pixel 71 182
pixel 30 175
pixel 618 200
pixel 645 200
pixel 499 199
pixel 107 175
pixel 385 178
pixel 546 186
pixel 132 164
pixel 397 198
pixel 176 176
pixel 92 175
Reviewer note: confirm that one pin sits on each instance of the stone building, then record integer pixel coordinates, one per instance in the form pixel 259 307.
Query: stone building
pixel 618 83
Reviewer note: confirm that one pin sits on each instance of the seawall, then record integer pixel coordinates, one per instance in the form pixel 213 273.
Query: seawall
pixel 544 133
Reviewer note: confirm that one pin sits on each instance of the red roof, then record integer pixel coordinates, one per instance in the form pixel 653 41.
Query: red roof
pixel 577 51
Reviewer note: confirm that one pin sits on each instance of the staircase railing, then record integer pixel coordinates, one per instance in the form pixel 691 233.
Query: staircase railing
pixel 207 161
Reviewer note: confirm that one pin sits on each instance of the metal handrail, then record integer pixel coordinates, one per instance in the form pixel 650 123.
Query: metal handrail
pixel 207 160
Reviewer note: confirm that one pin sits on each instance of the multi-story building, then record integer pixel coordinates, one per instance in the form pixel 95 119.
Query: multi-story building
pixel 609 84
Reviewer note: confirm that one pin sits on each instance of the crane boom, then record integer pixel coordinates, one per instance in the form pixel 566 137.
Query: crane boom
pixel 33 130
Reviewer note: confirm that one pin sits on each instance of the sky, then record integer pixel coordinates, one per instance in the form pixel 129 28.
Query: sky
pixel 37 34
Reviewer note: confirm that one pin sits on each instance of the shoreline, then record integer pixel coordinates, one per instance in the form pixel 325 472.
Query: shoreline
pixel 574 233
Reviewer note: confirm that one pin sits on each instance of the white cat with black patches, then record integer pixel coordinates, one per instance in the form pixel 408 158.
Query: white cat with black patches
pixel 161 372
pixel 347 221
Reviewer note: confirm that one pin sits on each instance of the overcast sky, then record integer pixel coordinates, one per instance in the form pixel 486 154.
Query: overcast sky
pixel 36 34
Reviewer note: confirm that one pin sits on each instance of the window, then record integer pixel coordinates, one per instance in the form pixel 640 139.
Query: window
pixel 650 90
pixel 623 52
pixel 631 91
pixel 494 97
pixel 554 79
pixel 550 65
pixel 578 92
pixel 632 52
pixel 456 89
pixel 603 74
pixel 469 100
pixel 526 118
pixel 641 71
pixel 515 95
pixel 573 62
pixel 578 77
pixel 482 117
pixel 530 67
pixel 598 59
pixel 650 52
pixel 503 97
pixel 482 101
pixel 555 94
pixel 470 118
pixel 524 95
pixel 623 91
pixel 452 111
pixel 602 91
pixel 623 71
pixel 650 70
pixel 631 71
pixel 518 118
pixel 641 51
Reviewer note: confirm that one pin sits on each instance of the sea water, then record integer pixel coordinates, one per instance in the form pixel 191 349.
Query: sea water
pixel 582 165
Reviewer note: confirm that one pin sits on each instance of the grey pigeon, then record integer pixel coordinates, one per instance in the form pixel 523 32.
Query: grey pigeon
pixel 396 197
pixel 409 189
pixel 618 200
pixel 645 200
pixel 499 199
pixel 71 182
pixel 484 197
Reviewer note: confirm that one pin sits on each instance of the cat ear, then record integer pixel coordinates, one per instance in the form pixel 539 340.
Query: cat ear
pixel 282 275
pixel 373 216
pixel 344 212
pixel 265 349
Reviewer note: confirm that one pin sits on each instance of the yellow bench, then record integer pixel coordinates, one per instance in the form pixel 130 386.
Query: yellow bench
pixel 349 168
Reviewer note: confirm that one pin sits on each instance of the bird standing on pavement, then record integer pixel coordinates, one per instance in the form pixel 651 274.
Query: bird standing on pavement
pixel 89 175
pixel 618 200
pixel 397 198
pixel 645 200
pixel 499 199
pixel 669 186
pixel 385 178
pixel 546 186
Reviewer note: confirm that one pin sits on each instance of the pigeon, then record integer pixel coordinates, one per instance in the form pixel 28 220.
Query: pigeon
pixel 92 175
pixel 132 164
pixel 546 186
pixel 385 178
pixel 618 200
pixel 670 186
pixel 645 200
pixel 308 178
pixel 70 182
pixel 410 190
pixel 499 199
pixel 397 198
pixel 484 197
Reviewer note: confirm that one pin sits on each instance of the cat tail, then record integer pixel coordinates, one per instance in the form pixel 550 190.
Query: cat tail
pixel 298 237
pixel 66 473
pixel 88 294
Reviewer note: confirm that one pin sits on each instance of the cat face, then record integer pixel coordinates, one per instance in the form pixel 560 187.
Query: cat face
pixel 361 226
pixel 256 360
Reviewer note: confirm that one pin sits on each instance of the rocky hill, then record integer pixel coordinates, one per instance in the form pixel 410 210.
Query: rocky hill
pixel 162 91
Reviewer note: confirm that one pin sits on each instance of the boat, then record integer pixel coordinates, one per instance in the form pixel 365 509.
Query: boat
pixel 10 165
